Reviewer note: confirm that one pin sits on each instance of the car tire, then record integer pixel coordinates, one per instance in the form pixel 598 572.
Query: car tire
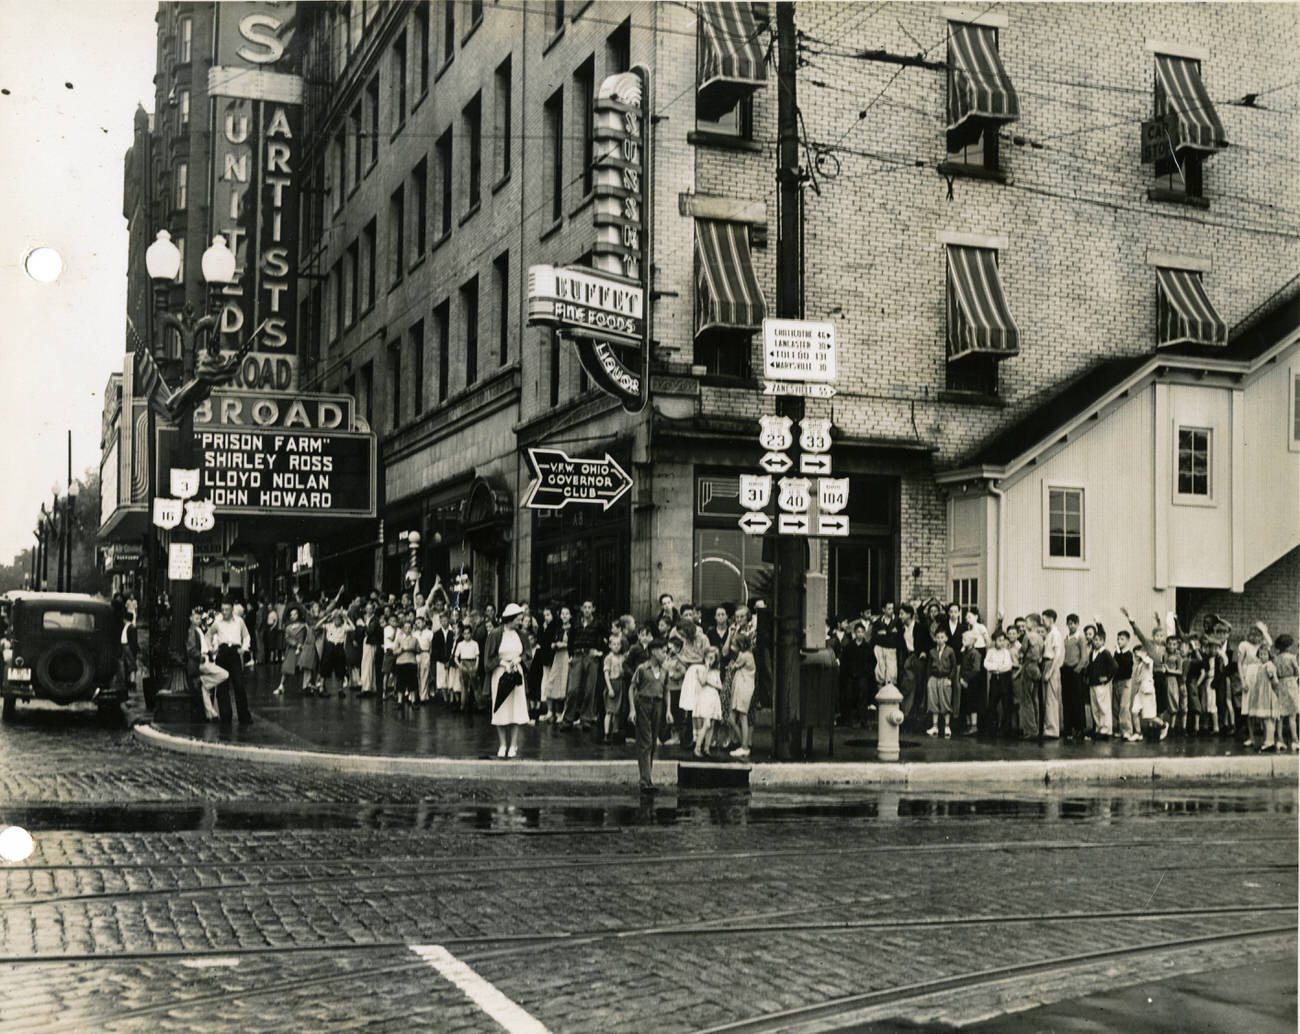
pixel 53 667
pixel 10 709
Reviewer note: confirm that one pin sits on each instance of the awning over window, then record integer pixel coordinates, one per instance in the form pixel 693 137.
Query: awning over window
pixel 979 319
pixel 730 61
pixel 979 89
pixel 727 291
pixel 1184 311
pixel 1197 122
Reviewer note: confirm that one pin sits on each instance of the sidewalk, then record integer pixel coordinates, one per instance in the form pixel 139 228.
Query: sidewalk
pixel 365 734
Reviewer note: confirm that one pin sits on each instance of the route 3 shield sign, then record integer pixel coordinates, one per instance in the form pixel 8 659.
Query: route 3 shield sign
pixel 775 435
pixel 184 483
pixel 794 495
pixel 815 434
pixel 755 491
pixel 832 494
pixel 199 515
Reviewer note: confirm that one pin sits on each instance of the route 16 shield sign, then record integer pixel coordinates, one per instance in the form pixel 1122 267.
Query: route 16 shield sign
pixel 815 434
pixel 775 435
pixel 185 483
pixel 793 496
pixel 166 512
pixel 755 491
pixel 832 494
pixel 199 515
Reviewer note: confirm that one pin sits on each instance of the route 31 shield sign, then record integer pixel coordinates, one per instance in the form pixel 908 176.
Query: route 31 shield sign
pixel 775 435
pixel 794 495
pixel 755 491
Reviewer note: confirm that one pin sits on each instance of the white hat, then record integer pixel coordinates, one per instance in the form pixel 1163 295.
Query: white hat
pixel 511 610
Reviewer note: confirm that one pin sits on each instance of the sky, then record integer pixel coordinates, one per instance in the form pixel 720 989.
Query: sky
pixel 61 167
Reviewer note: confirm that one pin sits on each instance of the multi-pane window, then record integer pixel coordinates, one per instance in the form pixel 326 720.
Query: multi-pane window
pixel 369 258
pixel 443 149
pixel 182 184
pixel 618 49
pixel 185 40
pixel 966 592
pixel 397 235
pixel 420 45
pixel 372 117
pixel 395 383
pixel 420 195
pixel 354 144
pixel 399 81
pixel 1194 461
pixel 417 368
pixel 353 262
pixel 554 122
pixel 1065 523
pixel 182 108
pixel 340 168
pixel 584 87
pixel 448 32
pixel 337 276
pixel 473 125
pixel 501 271
pixel 504 118
pixel 442 323
pixel 469 306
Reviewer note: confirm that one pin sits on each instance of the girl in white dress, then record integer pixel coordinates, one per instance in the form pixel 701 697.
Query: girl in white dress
pixel 509 710
pixel 708 701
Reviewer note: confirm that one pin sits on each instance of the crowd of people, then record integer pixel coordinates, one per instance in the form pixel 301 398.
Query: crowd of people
pixel 696 676
pixel 1031 679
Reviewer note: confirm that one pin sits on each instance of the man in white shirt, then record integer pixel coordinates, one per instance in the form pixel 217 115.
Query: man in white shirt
pixel 229 637
pixel 1053 656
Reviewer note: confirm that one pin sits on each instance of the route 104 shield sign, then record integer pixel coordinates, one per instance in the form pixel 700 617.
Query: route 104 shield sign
pixel 755 491
pixel 832 494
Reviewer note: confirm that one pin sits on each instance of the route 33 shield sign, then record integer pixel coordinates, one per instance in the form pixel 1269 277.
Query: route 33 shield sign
pixel 815 434
pixel 755 491
pixel 793 496
pixel 775 435
pixel 199 515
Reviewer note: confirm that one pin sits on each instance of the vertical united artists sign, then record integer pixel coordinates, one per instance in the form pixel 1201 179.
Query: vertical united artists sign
pixel 602 309
pixel 256 94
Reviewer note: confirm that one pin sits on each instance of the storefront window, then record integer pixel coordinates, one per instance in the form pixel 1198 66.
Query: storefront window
pixel 728 565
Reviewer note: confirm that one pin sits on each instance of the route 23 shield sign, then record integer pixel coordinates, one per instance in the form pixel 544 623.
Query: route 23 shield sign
pixel 199 515
pixel 755 491
pixel 775 435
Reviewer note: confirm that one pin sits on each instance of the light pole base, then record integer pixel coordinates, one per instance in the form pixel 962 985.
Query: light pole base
pixel 173 705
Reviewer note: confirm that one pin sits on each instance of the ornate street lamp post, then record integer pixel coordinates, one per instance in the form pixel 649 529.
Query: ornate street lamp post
pixel 199 374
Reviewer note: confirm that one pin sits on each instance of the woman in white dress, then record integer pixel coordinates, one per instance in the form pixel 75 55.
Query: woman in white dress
pixel 504 653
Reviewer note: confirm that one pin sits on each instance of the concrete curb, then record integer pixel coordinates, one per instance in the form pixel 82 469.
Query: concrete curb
pixel 765 775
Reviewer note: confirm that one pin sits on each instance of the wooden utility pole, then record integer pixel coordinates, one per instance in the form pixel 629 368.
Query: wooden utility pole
pixel 791 550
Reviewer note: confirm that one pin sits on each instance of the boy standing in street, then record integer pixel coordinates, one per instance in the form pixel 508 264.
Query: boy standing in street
pixel 1122 689
pixel 1053 656
pixel 649 708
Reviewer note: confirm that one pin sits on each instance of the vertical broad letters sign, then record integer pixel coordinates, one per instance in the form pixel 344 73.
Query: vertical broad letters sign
pixel 257 108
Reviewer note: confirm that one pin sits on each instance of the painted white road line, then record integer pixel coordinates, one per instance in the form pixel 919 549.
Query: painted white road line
pixel 483 994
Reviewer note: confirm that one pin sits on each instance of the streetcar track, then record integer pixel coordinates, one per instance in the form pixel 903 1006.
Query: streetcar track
pixel 440 866
pixel 763 1024
pixel 751 925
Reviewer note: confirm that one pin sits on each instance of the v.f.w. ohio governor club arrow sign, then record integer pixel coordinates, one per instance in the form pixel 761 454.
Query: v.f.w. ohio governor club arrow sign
pixel 560 479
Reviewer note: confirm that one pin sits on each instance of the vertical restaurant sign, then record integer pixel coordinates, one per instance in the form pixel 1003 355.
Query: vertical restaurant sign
pixel 622 239
pixel 256 96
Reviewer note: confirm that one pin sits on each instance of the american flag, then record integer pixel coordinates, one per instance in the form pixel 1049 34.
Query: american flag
pixel 149 383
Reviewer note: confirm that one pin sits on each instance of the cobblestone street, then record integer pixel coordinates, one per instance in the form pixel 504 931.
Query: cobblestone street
pixel 196 894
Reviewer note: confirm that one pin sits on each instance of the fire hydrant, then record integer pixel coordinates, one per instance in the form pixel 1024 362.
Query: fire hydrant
pixel 889 716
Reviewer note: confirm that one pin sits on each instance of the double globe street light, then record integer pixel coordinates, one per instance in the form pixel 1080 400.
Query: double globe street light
pixel 174 702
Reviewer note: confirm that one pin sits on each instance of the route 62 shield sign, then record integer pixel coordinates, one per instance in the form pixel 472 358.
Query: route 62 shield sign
pixel 775 435
pixel 755 491
pixel 199 515
pixel 793 496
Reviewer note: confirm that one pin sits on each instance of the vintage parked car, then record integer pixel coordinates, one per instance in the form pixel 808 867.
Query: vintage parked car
pixel 63 647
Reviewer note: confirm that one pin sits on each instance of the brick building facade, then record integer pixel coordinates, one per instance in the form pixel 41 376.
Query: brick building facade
pixel 447 149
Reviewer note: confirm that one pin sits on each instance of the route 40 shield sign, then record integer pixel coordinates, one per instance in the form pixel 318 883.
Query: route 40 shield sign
pixel 775 435
pixel 794 495
pixel 755 491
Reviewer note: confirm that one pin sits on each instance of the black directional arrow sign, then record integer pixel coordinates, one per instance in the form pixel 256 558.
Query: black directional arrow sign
pixel 560 479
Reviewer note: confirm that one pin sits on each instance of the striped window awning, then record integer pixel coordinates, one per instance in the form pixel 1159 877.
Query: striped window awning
pixel 730 61
pixel 979 89
pixel 726 289
pixel 1184 312
pixel 1196 123
pixel 979 319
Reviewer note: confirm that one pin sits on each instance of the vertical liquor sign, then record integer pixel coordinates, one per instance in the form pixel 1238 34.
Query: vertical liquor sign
pixel 602 309
pixel 256 94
